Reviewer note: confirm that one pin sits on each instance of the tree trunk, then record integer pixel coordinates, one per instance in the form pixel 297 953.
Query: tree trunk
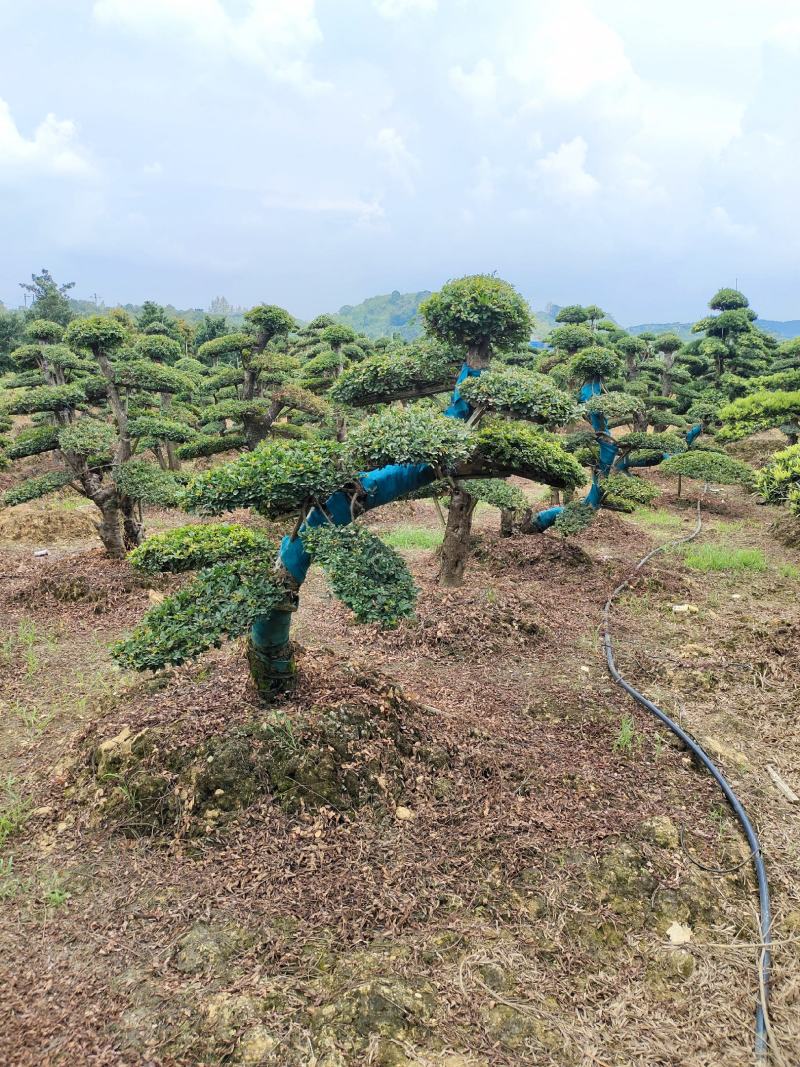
pixel 555 499
pixel 680 484
pixel 132 526
pixel 173 462
pixel 506 522
pixel 110 530
pixel 455 547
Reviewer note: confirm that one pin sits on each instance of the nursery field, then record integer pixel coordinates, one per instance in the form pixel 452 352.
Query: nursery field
pixel 541 874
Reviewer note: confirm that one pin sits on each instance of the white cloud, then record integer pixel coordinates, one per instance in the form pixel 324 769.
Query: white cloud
pixel 53 149
pixel 274 35
pixel 563 171
pixel 569 54
pixel 486 178
pixel 396 9
pixel 365 212
pixel 402 164
pixel 478 86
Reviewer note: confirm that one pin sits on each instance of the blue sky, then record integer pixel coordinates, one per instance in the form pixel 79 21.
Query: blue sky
pixel 311 154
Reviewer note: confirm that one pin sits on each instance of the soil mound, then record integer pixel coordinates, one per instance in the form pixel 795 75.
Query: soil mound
pixel 37 526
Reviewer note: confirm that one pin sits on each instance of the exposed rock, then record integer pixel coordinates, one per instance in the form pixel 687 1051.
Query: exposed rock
pixel 517 1029
pixel 718 749
pixel 256 1046
pixel 661 831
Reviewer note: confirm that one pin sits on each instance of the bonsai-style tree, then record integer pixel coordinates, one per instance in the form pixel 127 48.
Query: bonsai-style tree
pixel 82 401
pixel 732 343
pixel 479 315
pixel 254 383
pixel 322 487
pixel 704 465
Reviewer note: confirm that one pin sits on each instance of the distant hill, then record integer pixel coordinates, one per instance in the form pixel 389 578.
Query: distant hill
pixel 383 316
pixel 783 330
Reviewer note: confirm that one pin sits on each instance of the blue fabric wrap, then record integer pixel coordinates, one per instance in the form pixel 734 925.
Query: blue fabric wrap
pixel 545 519
pixel 693 433
pixel 459 408
pixel 608 453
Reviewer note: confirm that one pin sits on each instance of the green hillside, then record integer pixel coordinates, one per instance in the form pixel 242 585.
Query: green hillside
pixel 383 316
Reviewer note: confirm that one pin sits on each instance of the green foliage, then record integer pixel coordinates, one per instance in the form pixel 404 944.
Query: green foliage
pixel 29 355
pixel 338 334
pixel 524 394
pixel 624 492
pixel 210 445
pixel 408 435
pixel 479 311
pixel 25 379
pixel 498 493
pixel 595 361
pixel 396 370
pixel 34 488
pixel 760 411
pixel 222 601
pixel 652 442
pixel 270 321
pixel 100 333
pixel 570 338
pixel 190 548
pixel 574 517
pixel 222 378
pixel 275 479
pixel 615 407
pixel 159 348
pixel 728 300
pixel 229 344
pixel 160 429
pixel 709 467
pixel 88 437
pixel 780 478
pixel 44 332
pixel 151 377
pixel 49 298
pixel 148 483
pixel 363 572
pixel 573 314
pixel 520 448
pixel 45 398
pixel 33 441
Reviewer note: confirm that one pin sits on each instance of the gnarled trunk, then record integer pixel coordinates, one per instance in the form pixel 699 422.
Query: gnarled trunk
pixel 132 525
pixel 506 522
pixel 110 529
pixel 455 547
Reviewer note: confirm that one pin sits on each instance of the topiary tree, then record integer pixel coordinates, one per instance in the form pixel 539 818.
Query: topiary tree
pixel 86 419
pixel 478 314
pixel 709 467
pixel 322 487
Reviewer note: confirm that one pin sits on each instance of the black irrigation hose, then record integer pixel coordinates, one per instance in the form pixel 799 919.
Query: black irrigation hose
pixel 762 1016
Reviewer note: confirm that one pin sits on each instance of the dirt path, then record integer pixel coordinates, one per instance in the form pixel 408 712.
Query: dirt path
pixel 518 914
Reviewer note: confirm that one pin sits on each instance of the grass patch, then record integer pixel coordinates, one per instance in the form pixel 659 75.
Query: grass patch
pixel 663 519
pixel 413 537
pixel 720 558
pixel 789 570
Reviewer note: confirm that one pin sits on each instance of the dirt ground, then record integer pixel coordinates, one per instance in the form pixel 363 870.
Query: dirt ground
pixel 533 879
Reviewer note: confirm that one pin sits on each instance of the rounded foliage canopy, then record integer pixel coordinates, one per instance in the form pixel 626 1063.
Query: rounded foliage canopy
pixel 478 311
pixel 97 332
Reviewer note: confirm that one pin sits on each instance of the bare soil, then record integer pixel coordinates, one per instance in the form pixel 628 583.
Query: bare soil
pixel 502 894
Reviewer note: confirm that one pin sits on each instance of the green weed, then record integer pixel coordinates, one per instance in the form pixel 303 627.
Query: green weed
pixel 789 570
pixel 32 718
pixel 720 558
pixel 413 537
pixel 663 519
pixel 13 809
pixel 627 739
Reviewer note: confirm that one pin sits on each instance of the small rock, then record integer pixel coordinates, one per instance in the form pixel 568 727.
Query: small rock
pixel 661 830
pixel 255 1045
pixel 679 934
pixel 41 812
pixel 685 609
pixel 42 552
pixel 719 749
pixel 404 814
pixel 155 597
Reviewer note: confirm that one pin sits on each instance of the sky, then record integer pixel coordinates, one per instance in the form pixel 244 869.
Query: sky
pixel 311 153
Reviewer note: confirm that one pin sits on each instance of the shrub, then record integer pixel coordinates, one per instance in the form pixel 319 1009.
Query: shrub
pixel 408 435
pixel 523 394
